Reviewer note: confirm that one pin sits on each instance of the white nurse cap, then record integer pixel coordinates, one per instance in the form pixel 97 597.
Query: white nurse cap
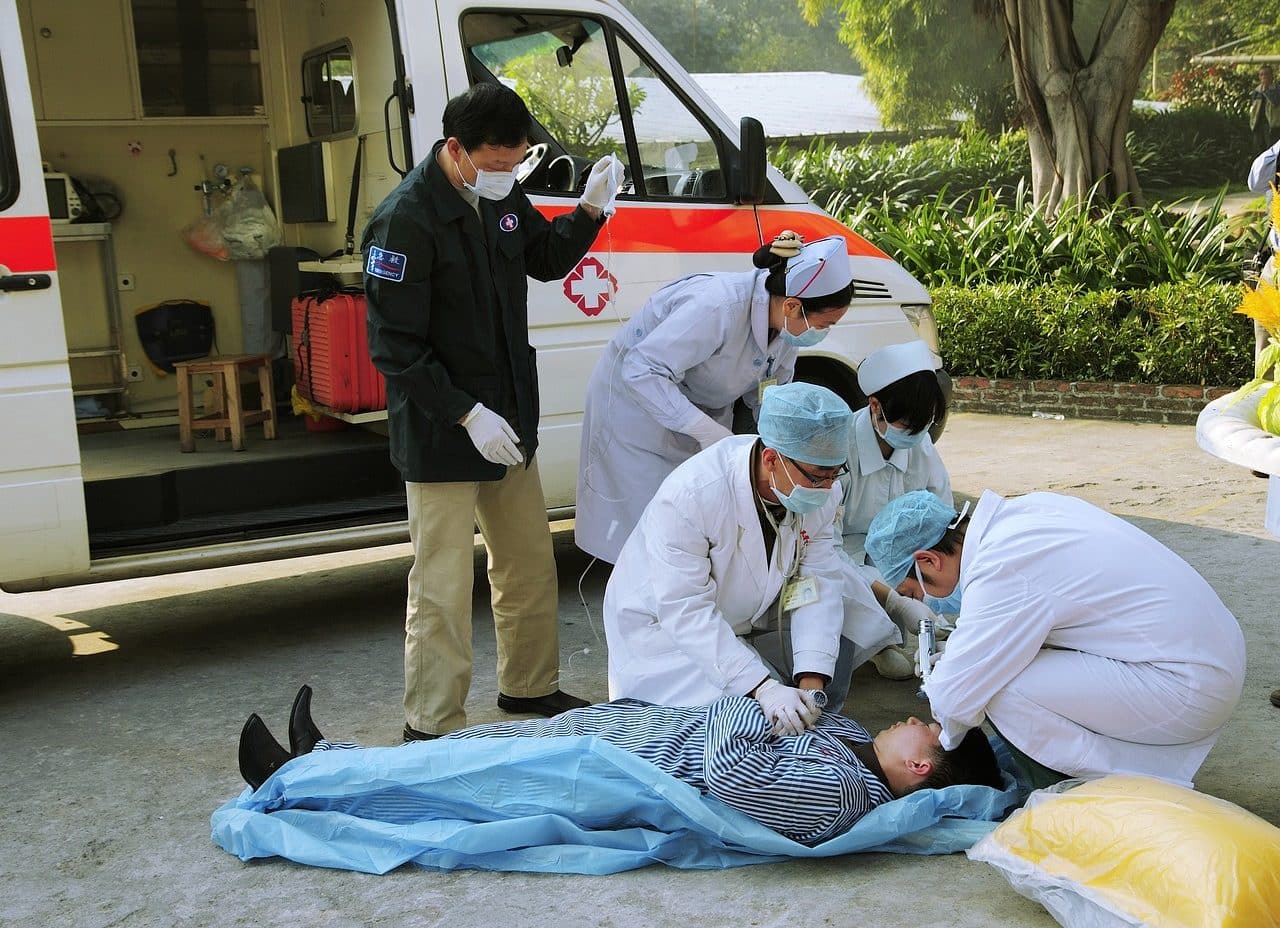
pixel 892 363
pixel 821 269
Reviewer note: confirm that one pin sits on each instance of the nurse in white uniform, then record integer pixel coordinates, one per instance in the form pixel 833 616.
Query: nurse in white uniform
pixel 892 454
pixel 665 387
pixel 1091 647
pixel 731 584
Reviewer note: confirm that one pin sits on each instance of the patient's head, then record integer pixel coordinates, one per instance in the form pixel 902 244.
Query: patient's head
pixel 912 758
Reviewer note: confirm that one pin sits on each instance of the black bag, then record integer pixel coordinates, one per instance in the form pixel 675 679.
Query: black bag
pixel 176 330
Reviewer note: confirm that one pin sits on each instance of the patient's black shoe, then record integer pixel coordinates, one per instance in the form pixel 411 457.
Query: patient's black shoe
pixel 303 733
pixel 260 753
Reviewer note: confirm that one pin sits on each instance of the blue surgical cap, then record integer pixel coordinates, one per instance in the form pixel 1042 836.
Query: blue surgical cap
pixel 915 521
pixel 806 423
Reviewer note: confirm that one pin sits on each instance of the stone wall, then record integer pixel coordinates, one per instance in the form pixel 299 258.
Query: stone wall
pixel 1135 402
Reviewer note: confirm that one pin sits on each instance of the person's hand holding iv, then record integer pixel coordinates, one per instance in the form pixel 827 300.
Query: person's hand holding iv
pixel 602 184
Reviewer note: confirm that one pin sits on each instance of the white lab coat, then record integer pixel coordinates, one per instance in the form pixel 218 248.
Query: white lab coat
pixel 1086 642
pixel 874 480
pixel 694 348
pixel 692 578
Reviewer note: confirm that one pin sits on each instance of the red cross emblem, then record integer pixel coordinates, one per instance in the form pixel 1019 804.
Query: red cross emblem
pixel 589 286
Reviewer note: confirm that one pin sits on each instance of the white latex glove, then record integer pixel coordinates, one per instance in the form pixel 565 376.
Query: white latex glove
pixel 492 435
pixel 789 708
pixel 603 183
pixel 907 612
pixel 707 431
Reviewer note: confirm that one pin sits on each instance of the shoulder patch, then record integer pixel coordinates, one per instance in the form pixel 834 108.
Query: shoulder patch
pixel 389 265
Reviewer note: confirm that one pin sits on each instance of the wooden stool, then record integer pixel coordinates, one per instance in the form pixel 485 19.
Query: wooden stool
pixel 229 414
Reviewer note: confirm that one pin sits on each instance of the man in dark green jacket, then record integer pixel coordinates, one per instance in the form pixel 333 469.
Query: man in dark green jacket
pixel 446 259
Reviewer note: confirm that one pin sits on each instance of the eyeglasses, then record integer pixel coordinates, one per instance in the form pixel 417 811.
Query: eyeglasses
pixel 821 480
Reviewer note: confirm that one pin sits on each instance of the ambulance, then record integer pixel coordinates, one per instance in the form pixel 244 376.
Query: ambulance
pixel 127 125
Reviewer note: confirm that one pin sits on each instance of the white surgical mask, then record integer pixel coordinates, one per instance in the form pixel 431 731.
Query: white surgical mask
pixel 801 500
pixel 491 185
pixel 806 339
pixel 897 438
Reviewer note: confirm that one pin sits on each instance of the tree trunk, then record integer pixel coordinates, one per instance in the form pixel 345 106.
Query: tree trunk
pixel 1076 107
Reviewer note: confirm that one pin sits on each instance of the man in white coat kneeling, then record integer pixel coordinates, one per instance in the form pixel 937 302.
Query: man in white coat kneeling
pixel 1091 647
pixel 730 585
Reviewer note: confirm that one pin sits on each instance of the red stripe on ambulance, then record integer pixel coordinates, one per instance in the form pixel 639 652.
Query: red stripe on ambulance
pixel 26 244
pixel 693 230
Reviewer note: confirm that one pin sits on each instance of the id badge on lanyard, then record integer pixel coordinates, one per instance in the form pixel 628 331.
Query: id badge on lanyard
pixel 798 591
pixel 768 381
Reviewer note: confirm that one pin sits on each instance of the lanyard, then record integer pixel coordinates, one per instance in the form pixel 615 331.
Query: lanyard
pixel 794 567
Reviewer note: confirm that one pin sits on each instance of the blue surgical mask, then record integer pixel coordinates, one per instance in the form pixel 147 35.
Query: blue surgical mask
pixel 801 500
pixel 490 185
pixel 948 606
pixel 897 438
pixel 806 339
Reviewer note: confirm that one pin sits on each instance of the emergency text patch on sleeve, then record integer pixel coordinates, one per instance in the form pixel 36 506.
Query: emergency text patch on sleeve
pixel 389 265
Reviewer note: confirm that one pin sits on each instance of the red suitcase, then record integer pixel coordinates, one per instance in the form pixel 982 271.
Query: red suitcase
pixel 331 362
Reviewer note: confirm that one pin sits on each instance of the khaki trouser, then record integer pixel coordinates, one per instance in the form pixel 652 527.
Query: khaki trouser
pixel 512 516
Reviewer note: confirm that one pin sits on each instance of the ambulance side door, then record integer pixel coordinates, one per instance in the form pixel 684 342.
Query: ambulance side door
pixel 597 83
pixel 43 531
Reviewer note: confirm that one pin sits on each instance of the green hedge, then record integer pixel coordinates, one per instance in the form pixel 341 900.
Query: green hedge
pixel 837 177
pixel 1190 147
pixel 1086 244
pixel 1167 334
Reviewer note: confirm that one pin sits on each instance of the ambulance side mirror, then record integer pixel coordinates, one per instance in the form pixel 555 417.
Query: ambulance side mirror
pixel 753 162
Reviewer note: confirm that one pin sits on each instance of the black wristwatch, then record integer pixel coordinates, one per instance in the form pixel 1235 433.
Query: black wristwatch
pixel 819 698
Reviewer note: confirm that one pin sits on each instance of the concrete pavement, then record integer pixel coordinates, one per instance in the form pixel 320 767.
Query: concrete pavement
pixel 115 756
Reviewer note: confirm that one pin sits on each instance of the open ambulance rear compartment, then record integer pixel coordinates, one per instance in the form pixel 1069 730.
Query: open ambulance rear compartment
pixel 182 94
pixel 142 494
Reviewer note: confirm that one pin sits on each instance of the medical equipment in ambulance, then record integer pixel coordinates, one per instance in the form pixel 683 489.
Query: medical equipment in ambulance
pixel 64 201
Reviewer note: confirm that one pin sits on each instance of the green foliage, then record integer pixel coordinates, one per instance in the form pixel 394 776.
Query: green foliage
pixel 905 176
pixel 1086 244
pixel 1190 147
pixel 926 59
pixel 1220 87
pixel 575 104
pixel 1170 333
pixel 1200 25
pixel 744 35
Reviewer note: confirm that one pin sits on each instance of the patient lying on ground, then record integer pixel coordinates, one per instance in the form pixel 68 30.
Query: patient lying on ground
pixel 809 787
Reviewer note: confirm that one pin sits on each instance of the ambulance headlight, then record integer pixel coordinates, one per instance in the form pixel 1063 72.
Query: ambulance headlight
pixel 920 315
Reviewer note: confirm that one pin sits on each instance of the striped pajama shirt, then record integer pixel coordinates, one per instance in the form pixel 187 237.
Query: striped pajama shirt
pixel 809 788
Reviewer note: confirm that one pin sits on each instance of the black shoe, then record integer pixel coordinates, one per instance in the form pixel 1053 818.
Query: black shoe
pixel 412 734
pixel 1275 698
pixel 260 753
pixel 550 705
pixel 303 733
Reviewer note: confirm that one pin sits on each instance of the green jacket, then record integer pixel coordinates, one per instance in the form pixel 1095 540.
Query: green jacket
pixel 448 315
